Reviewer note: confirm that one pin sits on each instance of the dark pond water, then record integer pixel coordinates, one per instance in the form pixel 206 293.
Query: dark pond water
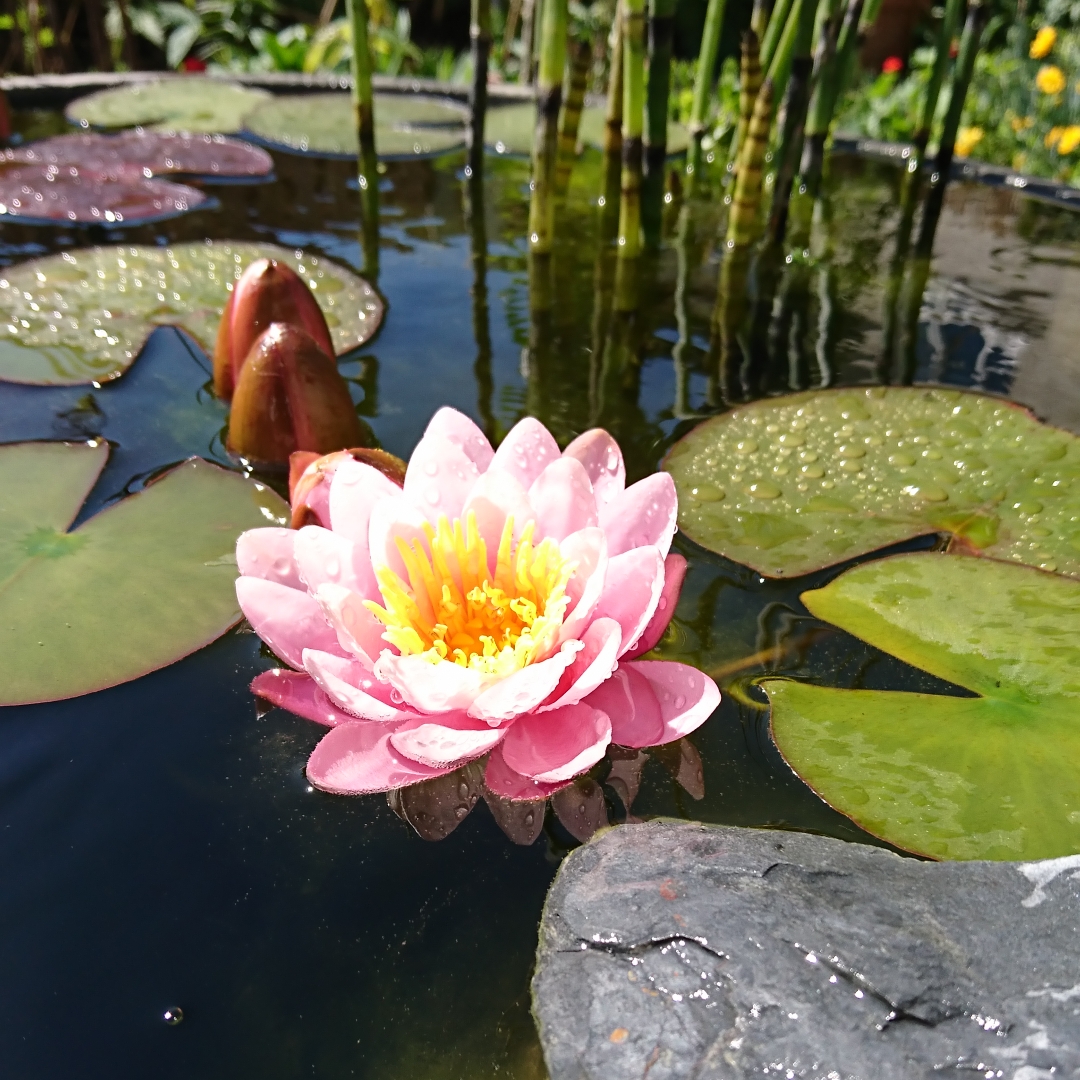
pixel 159 844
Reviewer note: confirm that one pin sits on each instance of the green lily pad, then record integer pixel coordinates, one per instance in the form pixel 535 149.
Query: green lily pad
pixel 405 125
pixel 84 315
pixel 181 103
pixel 987 777
pixel 508 129
pixel 138 586
pixel 794 484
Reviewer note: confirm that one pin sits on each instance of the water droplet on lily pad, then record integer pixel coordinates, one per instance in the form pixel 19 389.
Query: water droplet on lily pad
pixel 111 298
pixel 860 448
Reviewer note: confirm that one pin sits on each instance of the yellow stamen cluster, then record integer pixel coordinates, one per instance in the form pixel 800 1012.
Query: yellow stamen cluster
pixel 453 608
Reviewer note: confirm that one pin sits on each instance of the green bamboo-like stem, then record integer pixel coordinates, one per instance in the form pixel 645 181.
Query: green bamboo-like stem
pixel 480 38
pixel 822 101
pixel 528 39
pixel 661 33
pixel 485 382
pixel 725 345
pixel 749 85
pixel 545 141
pixel 613 118
pixel 796 101
pixel 830 89
pixel 684 237
pixel 759 17
pixel 570 116
pixel 779 67
pixel 633 117
pixel 965 68
pixel 946 32
pixel 742 218
pixel 777 21
pixel 364 120
pixel 703 81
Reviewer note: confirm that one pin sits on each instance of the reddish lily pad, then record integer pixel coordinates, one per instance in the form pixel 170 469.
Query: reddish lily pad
pixel 47 194
pixel 84 315
pixel 794 484
pixel 137 587
pixel 148 153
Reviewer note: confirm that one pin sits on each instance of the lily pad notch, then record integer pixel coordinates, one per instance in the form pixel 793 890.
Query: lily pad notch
pixel 140 585
pixel 795 484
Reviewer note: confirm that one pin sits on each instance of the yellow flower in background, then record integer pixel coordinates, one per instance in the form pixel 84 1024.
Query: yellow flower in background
pixel 967 139
pixel 1019 161
pixel 1050 79
pixel 1052 137
pixel 1070 139
pixel 1021 123
pixel 1043 43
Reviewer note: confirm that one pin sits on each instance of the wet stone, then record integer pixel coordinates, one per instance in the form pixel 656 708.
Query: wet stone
pixel 680 950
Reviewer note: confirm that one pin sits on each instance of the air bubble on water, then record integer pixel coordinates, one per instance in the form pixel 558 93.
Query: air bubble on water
pixel 173 1015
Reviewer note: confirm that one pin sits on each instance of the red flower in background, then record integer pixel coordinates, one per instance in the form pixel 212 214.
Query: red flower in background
pixel 892 65
pixel 193 63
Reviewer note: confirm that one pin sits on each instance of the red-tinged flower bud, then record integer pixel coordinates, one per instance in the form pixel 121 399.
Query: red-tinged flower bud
pixel 310 476
pixel 892 65
pixel 290 396
pixel 268 291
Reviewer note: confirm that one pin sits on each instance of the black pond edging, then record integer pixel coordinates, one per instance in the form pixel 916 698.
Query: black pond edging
pixel 700 952
pixel 898 153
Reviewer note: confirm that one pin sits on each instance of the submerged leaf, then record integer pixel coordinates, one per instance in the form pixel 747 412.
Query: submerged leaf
pixel 137 587
pixel 159 153
pixel 41 193
pixel 522 821
pixel 435 808
pixel 509 129
pixel 405 125
pixel 683 761
pixel 992 776
pixel 181 103
pixel 83 316
pixel 794 484
pixel 581 808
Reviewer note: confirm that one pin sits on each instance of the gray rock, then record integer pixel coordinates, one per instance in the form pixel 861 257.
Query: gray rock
pixel 674 950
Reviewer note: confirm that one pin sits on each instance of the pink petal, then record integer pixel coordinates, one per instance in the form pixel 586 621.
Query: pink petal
pixel 358 631
pixel 587 548
pixel 687 697
pixel 592 666
pixel 674 575
pixel 629 699
pixel 357 759
pixel 445 741
pixel 504 782
pixel 524 689
pixel 329 558
pixel 268 554
pixel 298 693
pixel 351 686
pixel 288 620
pixel 525 452
pixel 354 491
pixel 431 688
pixel 603 461
pixel 454 427
pixel 557 745
pixel 644 514
pixel 391 519
pixel 493 498
pixel 563 500
pixel 439 477
pixel 632 592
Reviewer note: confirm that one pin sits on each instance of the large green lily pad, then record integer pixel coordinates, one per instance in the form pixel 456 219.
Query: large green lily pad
pixel 508 129
pixel 987 777
pixel 84 315
pixel 140 585
pixel 405 125
pixel 182 103
pixel 794 484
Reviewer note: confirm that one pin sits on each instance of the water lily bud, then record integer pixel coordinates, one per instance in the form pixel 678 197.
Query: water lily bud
pixel 268 291
pixel 290 396
pixel 310 476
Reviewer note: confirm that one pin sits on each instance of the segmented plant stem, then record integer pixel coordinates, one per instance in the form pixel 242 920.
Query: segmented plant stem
pixel 633 117
pixel 480 37
pixel 570 117
pixel 545 141
pixel 613 125
pixel 946 32
pixel 749 85
pixel 703 81
pixel 742 218
pixel 661 39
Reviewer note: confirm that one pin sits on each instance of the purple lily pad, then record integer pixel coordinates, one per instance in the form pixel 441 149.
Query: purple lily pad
pixel 38 192
pixel 151 153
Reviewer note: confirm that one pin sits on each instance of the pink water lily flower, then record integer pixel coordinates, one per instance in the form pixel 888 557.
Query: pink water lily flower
pixel 496 604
